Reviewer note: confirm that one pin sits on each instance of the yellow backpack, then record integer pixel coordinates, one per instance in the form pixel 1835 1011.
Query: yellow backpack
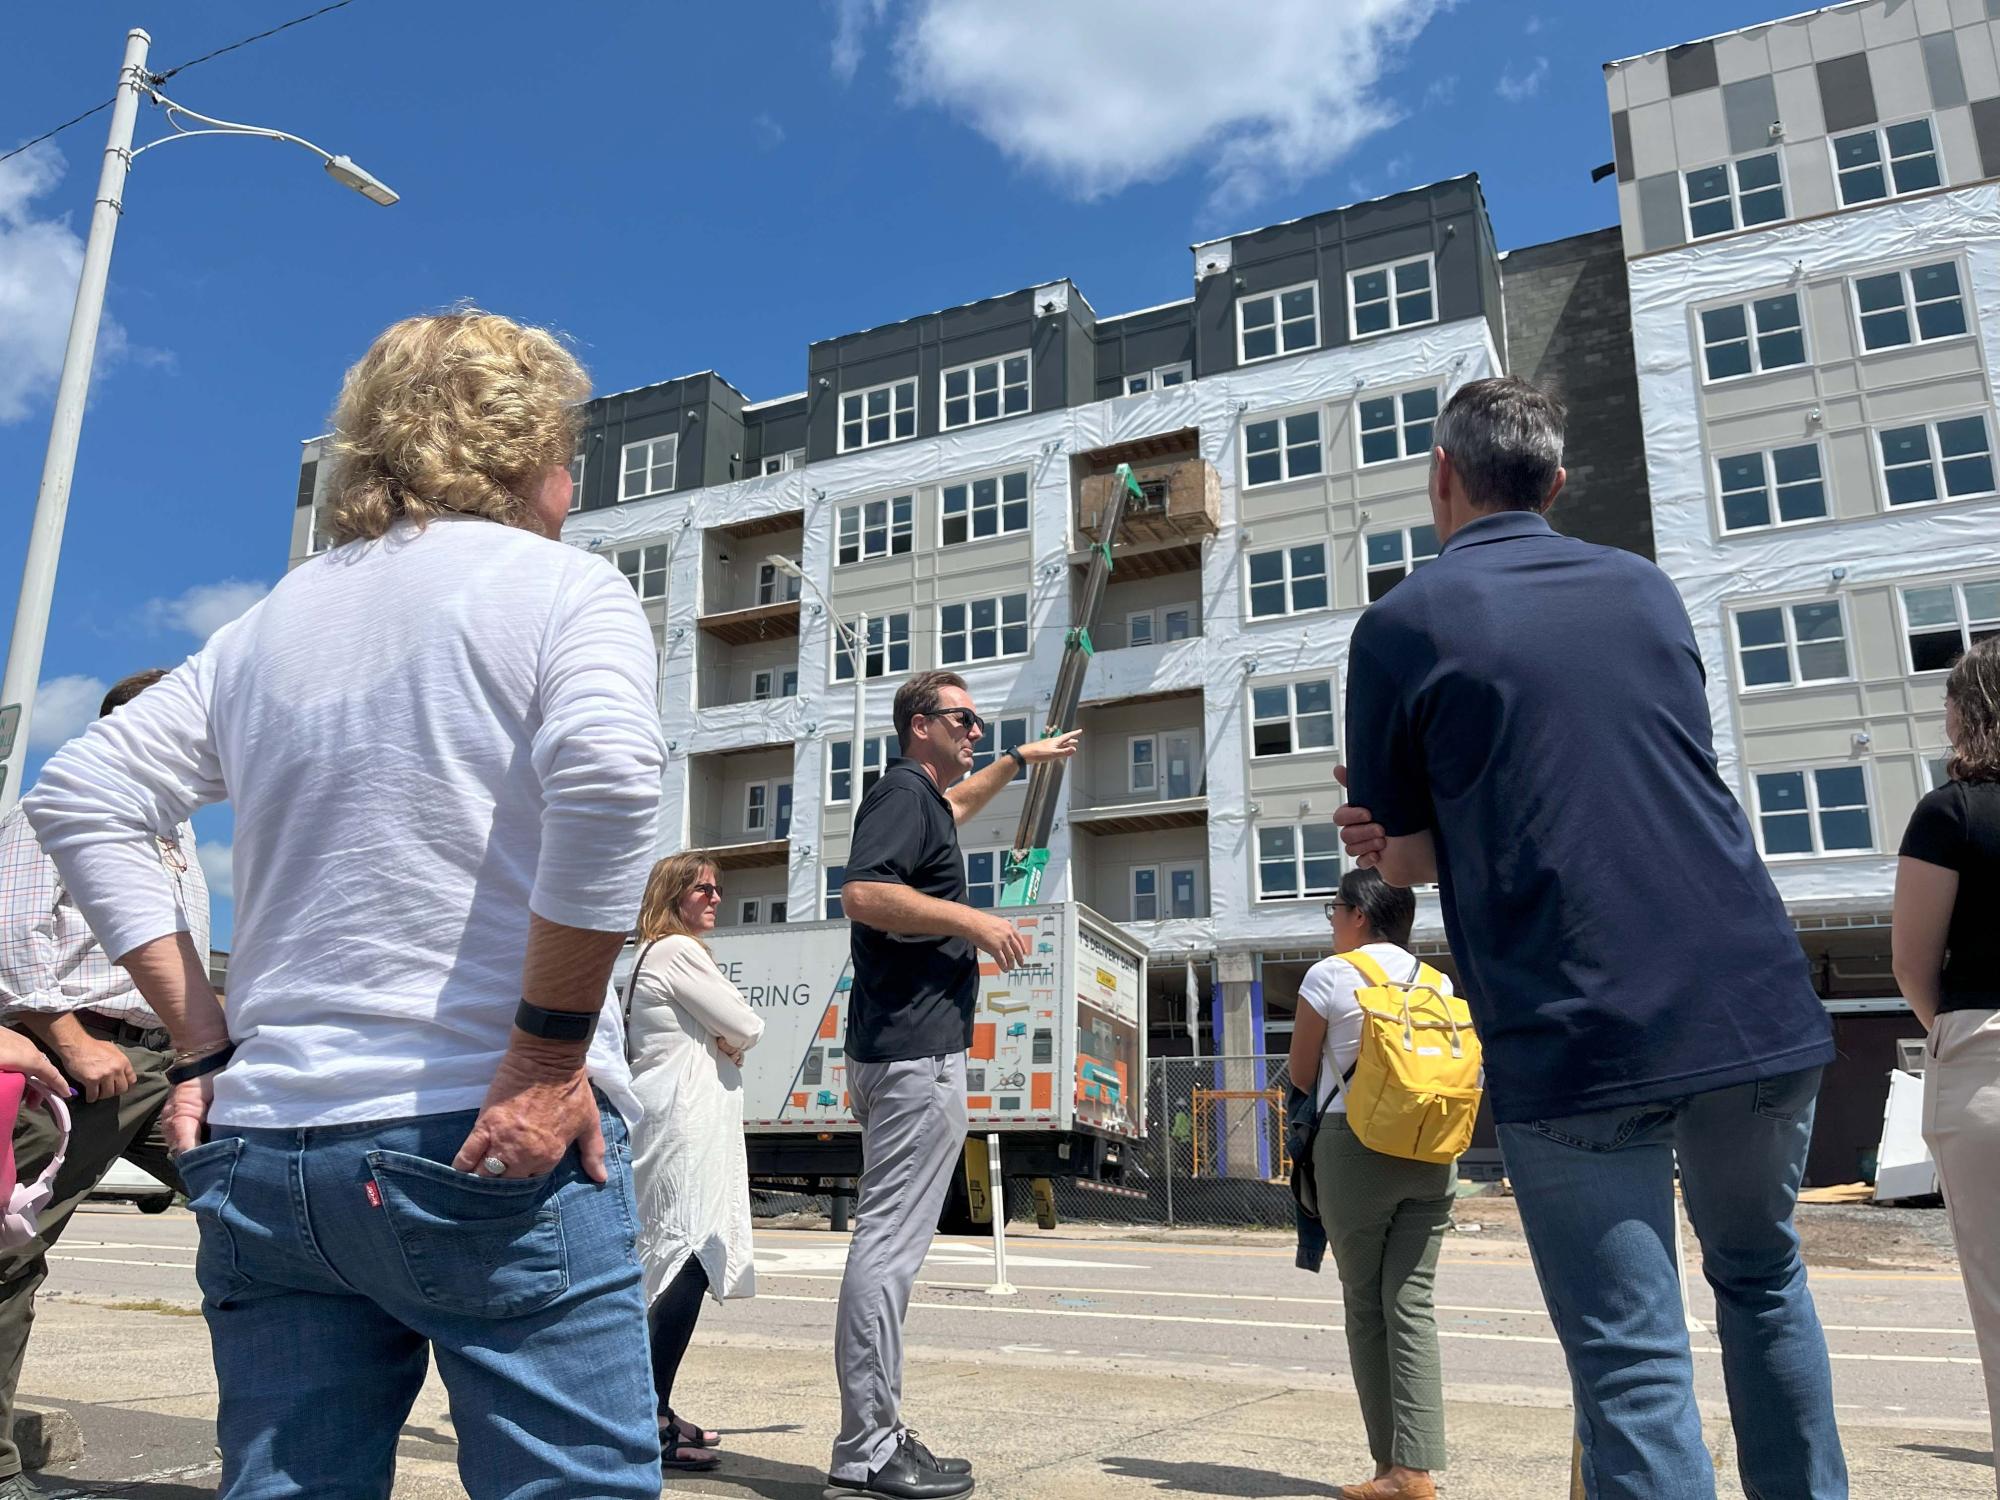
pixel 1414 1089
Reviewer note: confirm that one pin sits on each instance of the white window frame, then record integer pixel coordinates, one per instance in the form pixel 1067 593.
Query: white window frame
pixel 767 584
pixel 763 683
pixel 778 908
pixel 759 807
pixel 1809 770
pixel 895 388
pixel 1880 130
pixel 893 530
pixel 1937 460
pixel 652 469
pixel 1290 686
pixel 1905 274
pixel 1132 874
pixel 1966 624
pixel 1167 613
pixel 579 465
pixel 1748 307
pixel 1290 580
pixel 1000 627
pixel 1297 829
pixel 1408 561
pixel 1150 792
pixel 1001 386
pixel 1777 521
pixel 883 642
pixel 1396 323
pixel 317 541
pixel 1798 679
pixel 1167 874
pixel 642 572
pixel 995 741
pixel 832 878
pixel 1731 168
pixel 875 759
pixel 1276 297
pixel 1155 379
pixel 749 911
pixel 1283 419
pixel 1152 628
pixel 972 509
pixel 999 881
pixel 1401 426
pixel 782 463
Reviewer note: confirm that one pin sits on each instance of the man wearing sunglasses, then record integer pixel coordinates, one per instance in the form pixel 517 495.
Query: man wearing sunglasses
pixel 909 1023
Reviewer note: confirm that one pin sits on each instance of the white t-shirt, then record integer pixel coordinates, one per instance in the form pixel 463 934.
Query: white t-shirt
pixel 1330 987
pixel 425 737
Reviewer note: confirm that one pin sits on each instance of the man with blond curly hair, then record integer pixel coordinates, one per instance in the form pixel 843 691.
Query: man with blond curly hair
pixel 409 1133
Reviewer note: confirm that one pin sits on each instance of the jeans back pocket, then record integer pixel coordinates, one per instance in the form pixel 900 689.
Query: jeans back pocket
pixel 208 1173
pixel 482 1246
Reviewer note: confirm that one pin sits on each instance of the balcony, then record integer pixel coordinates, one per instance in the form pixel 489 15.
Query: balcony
pixel 740 807
pixel 749 623
pixel 1181 504
pixel 1142 768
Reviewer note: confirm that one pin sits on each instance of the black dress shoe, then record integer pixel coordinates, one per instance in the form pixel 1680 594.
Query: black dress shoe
pixel 905 1476
pixel 942 1465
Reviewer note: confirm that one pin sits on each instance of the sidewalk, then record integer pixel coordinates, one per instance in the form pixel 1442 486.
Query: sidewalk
pixel 140 1383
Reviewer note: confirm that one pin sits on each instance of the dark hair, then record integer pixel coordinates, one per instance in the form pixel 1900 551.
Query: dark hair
pixel 1505 439
pixel 126 689
pixel 1389 910
pixel 920 696
pixel 1974 690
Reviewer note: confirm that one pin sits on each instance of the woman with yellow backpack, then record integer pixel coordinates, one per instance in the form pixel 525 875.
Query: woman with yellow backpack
pixel 1398 1076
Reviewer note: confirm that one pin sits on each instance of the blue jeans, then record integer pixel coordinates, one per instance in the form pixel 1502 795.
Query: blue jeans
pixel 333 1260
pixel 1597 1202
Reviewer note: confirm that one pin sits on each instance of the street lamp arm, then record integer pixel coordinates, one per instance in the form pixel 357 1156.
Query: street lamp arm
pixel 785 565
pixel 341 168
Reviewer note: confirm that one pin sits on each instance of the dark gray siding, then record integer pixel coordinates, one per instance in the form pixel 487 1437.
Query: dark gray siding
pixel 1569 324
pixel 704 409
pixel 771 430
pixel 1142 341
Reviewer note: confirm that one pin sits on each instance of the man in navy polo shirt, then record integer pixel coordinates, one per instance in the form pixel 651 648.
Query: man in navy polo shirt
pixel 1527 726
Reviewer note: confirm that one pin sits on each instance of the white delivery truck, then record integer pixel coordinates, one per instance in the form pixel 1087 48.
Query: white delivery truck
pixel 1057 1066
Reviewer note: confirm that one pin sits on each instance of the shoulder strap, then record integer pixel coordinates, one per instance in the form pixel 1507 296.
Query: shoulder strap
pixel 1369 970
pixel 631 988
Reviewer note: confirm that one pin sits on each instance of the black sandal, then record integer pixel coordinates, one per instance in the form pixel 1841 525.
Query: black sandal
pixel 703 1437
pixel 674 1445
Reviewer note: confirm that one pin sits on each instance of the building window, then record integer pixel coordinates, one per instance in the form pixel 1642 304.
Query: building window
pixel 756 806
pixel 1183 890
pixel 1159 378
pixel 1146 893
pixel 776 587
pixel 983 629
pixel 1948 460
pixel 836 877
pixel 875 528
pixel 1886 161
pixel 648 467
pixel 1943 621
pixel 985 874
pixel 1276 449
pixel 1176 624
pixel 767 809
pixel 317 540
pixel 1394 427
pixel 1288 580
pixel 1394 555
pixel 1142 764
pixel 888 648
pixel 1748 338
pixel 1139 628
pixel 1291 718
pixel 1919 305
pixel 996 506
pixel 749 911
pixel 840 763
pixel 576 471
pixel 1001 736
pixel 1401 295
pixel 1734 195
pixel 1818 811
pixel 880 414
pixel 1791 645
pixel 769 682
pixel 1274 323
pixel 777 911
pixel 985 392
pixel 783 463
pixel 645 568
pixel 1789 478
pixel 1297 859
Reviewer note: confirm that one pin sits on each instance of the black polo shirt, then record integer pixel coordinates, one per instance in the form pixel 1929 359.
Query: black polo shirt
pixel 1538 704
pixel 913 996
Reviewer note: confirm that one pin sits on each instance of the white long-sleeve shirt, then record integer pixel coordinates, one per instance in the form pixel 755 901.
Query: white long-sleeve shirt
pixel 425 737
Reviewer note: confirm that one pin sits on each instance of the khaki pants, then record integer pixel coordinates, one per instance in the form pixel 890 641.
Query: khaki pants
pixel 1962 1126
pixel 100 1134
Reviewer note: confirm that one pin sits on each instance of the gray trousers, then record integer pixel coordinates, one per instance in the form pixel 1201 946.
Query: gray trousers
pixel 912 1118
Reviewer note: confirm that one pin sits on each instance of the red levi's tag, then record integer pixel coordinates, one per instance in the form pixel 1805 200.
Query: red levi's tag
pixel 374 1194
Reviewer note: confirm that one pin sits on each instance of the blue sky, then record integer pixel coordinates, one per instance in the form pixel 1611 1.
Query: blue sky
pixel 679 187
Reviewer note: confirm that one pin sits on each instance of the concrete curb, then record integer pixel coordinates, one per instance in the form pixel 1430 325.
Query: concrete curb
pixel 46 1436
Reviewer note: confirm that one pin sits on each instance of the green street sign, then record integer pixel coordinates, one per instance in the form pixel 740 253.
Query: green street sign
pixel 10 721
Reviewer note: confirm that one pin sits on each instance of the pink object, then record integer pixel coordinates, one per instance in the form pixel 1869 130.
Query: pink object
pixel 20 1221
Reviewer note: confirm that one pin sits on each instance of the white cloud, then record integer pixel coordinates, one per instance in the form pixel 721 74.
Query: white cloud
pixel 205 608
pixel 1517 88
pixel 1076 92
pixel 851 20
pixel 40 260
pixel 1440 91
pixel 219 868
pixel 766 132
pixel 1534 25
pixel 64 707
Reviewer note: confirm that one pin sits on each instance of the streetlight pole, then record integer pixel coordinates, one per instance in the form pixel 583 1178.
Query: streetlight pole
pixel 38 574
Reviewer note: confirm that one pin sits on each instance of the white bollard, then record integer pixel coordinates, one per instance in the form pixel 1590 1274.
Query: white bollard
pixel 995 1196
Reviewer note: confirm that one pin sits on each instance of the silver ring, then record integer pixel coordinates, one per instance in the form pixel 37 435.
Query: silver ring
pixel 493 1167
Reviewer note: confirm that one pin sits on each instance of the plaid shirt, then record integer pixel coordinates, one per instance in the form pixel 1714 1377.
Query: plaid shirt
pixel 50 963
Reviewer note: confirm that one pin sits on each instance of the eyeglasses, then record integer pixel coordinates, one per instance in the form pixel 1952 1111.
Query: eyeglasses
pixel 1334 906
pixel 964 718
pixel 704 888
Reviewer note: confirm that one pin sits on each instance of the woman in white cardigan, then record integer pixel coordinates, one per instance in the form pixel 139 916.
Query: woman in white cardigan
pixel 688 1029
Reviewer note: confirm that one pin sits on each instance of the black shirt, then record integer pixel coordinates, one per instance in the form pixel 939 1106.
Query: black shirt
pixel 913 996
pixel 1957 827
pixel 1538 704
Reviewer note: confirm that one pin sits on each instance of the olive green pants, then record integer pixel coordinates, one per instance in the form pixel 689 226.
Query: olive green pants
pixel 1385 1220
